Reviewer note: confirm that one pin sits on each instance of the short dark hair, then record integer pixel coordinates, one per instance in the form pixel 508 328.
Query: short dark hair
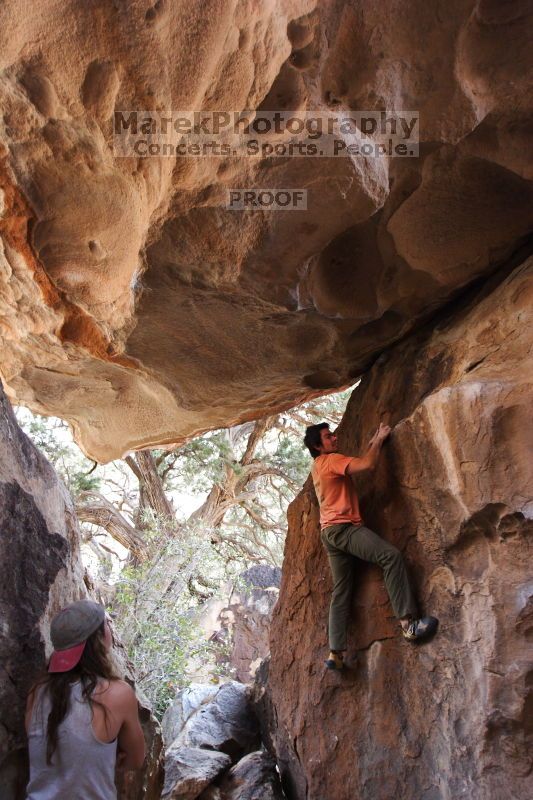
pixel 313 439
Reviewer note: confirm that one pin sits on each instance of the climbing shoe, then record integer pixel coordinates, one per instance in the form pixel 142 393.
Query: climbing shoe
pixel 334 661
pixel 420 628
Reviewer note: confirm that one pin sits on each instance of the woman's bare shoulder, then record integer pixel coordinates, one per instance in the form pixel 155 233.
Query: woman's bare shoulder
pixel 115 689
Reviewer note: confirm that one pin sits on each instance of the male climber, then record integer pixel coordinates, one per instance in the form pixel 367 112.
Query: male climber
pixel 344 536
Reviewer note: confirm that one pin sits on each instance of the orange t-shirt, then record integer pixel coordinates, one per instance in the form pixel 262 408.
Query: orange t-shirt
pixel 335 491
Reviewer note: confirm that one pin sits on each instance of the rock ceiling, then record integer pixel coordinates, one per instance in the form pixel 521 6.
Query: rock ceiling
pixel 135 305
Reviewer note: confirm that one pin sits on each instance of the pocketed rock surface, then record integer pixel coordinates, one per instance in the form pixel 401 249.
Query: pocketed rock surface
pixel 140 309
pixel 450 718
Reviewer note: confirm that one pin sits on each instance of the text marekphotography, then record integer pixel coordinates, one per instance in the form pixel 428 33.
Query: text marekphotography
pixel 144 134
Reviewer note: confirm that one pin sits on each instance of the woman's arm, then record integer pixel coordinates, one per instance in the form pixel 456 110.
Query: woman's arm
pixel 131 748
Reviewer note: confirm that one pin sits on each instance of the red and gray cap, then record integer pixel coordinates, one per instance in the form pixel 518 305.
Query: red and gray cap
pixel 70 630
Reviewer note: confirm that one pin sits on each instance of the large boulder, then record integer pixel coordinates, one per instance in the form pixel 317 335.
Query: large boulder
pixel 185 704
pixel 41 572
pixel 227 723
pixel 206 730
pixel 188 770
pixel 254 777
pixel 454 491
pixel 238 621
pixel 140 308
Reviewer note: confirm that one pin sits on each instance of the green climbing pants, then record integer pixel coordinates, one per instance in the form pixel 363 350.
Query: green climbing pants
pixel 342 543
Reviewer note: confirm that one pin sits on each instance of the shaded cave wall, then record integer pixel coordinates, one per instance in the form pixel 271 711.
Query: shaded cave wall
pixel 453 490
pixel 41 573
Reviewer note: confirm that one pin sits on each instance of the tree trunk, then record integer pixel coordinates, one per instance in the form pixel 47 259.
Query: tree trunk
pixel 150 485
pixel 99 511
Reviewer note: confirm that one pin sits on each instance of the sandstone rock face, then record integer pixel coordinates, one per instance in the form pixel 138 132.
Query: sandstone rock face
pixel 127 287
pixel 244 620
pixel 454 490
pixel 41 572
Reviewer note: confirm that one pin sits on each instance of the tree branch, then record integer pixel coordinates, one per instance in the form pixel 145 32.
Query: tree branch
pixel 96 510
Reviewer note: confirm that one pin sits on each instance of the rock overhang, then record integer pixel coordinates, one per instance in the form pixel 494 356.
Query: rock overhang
pixel 142 310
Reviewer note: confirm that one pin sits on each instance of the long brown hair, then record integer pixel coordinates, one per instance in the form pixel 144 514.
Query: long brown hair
pixel 93 664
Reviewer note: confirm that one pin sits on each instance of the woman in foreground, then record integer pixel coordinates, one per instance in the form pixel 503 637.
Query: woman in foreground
pixel 79 715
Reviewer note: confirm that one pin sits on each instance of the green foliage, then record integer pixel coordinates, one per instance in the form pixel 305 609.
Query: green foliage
pixel 160 645
pixel 155 612
pixel 160 657
pixel 198 464
pixel 291 457
pixel 125 589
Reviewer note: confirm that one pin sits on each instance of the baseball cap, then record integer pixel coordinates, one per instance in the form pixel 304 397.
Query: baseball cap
pixel 70 630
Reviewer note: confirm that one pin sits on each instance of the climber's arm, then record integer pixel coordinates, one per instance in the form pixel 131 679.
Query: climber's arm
pixel 370 458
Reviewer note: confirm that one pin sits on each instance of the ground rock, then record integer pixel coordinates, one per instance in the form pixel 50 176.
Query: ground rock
pixel 454 490
pixel 41 572
pixel 118 274
pixel 254 777
pixel 227 723
pixel 188 770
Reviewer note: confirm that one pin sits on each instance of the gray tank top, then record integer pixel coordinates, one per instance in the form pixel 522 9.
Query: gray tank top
pixel 83 767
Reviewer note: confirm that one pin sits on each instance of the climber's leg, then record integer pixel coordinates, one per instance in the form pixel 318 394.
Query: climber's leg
pixel 362 543
pixel 341 564
pixel 368 546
